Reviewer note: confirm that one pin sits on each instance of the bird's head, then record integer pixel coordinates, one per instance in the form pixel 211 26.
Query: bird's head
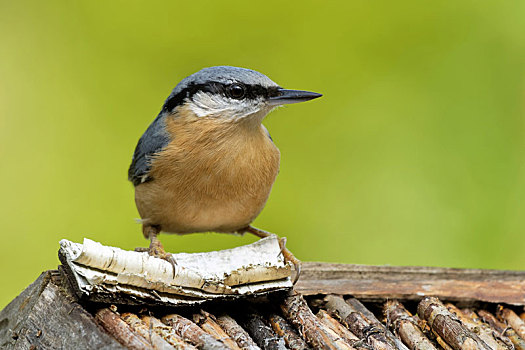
pixel 231 94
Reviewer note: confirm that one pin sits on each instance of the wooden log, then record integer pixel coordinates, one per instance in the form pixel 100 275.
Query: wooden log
pixel 357 305
pixel 337 327
pixel 423 325
pixel 192 333
pixel 497 335
pixel 484 332
pixel 208 323
pixel 339 342
pixel 377 283
pixel 443 344
pixel 263 335
pixel 120 330
pixel 298 313
pixel 513 320
pixel 405 326
pixel 358 324
pixel 504 331
pixel 147 333
pixel 286 331
pixel 449 327
pixel 167 333
pixel 237 333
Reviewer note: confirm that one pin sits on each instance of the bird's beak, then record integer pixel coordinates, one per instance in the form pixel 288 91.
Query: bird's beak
pixel 285 97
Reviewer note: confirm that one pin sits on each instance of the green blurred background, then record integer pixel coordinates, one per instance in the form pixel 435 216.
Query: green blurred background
pixel 414 156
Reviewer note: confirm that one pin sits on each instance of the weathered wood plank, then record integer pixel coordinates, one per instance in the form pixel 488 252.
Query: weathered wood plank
pixel 14 314
pixel 412 283
pixel 44 317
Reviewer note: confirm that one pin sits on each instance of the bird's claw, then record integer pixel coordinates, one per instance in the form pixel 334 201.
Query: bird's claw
pixel 289 257
pixel 157 250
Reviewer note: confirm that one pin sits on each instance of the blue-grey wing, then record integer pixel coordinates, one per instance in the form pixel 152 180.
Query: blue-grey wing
pixel 152 141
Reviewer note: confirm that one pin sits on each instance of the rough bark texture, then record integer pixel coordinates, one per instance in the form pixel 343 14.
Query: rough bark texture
pixel 208 323
pixel 44 317
pixel 357 305
pixel 167 333
pixel 404 325
pixel 482 330
pixel 359 324
pixel 192 333
pixel 517 341
pixel 337 327
pixel 263 335
pixel 448 326
pixel 513 320
pixel 237 333
pixel 411 283
pixel 285 330
pixel 156 341
pixel 489 328
pixel 120 330
pixel 296 310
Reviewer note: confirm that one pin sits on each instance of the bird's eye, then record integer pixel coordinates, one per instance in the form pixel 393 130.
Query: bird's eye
pixel 236 91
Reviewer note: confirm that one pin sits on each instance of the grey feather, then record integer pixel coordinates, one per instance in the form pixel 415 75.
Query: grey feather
pixel 152 141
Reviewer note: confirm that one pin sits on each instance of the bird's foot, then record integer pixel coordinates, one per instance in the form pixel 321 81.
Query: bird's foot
pixel 287 255
pixel 157 250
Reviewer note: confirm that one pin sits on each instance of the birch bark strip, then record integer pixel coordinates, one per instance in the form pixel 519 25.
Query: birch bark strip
pixel 245 269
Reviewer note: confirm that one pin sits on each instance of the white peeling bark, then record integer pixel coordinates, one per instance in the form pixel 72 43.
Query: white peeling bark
pixel 245 270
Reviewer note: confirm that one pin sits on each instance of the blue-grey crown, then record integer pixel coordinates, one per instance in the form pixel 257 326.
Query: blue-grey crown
pixel 223 75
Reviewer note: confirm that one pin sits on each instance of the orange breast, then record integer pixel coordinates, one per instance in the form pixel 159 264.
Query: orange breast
pixel 213 176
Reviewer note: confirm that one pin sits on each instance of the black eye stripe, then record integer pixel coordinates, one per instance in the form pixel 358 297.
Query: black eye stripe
pixel 251 92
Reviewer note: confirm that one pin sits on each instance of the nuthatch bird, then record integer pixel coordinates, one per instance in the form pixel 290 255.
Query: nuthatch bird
pixel 206 163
